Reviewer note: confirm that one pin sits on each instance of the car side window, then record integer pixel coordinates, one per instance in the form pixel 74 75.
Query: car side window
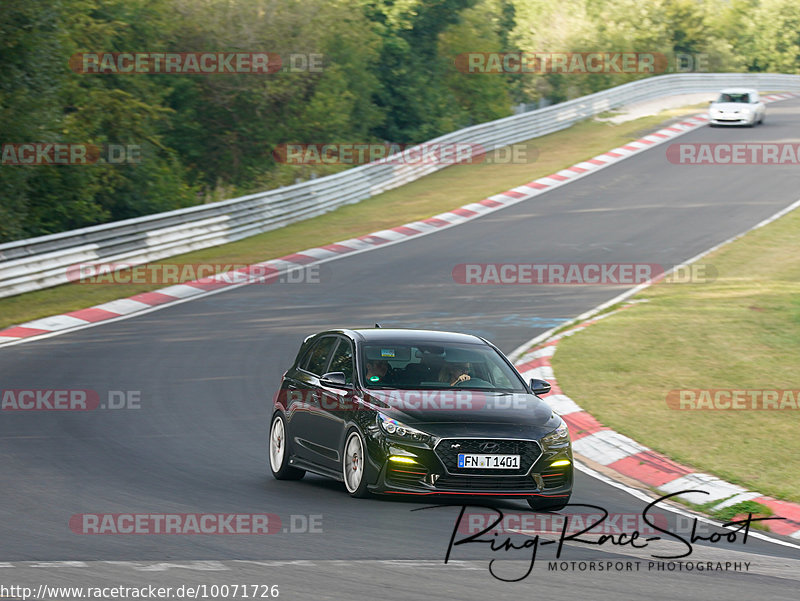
pixel 317 357
pixel 342 360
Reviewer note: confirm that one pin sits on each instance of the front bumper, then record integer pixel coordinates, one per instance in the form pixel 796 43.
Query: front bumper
pixel 726 120
pixel 429 476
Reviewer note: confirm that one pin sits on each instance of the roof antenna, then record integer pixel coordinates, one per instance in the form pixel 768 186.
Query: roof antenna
pixel 377 325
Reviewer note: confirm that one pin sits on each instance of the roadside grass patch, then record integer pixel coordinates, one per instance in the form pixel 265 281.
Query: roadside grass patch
pixel 739 332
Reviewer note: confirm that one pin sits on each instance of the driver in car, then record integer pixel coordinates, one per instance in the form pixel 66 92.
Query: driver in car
pixel 454 373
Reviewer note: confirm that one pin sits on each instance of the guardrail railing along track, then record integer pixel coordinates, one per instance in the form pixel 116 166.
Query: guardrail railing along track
pixel 42 262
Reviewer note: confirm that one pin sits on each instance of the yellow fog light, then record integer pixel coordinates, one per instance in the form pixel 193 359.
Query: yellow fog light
pixel 401 459
pixel 560 462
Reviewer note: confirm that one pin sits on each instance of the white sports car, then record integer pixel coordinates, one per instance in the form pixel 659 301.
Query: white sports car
pixel 737 106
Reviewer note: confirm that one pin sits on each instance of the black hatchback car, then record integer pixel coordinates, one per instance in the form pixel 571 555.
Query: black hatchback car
pixel 417 412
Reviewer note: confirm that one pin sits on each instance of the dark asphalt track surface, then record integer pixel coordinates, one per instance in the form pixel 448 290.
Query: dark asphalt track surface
pixel 206 371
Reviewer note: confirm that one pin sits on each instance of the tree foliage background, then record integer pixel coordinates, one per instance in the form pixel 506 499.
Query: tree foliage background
pixel 388 75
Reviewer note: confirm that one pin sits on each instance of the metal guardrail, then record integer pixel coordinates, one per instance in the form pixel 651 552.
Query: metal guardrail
pixel 42 262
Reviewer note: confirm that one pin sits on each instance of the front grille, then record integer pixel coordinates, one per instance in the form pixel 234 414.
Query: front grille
pixel 528 451
pixel 488 483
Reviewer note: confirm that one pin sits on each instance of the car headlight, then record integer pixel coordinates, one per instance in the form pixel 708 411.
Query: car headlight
pixel 400 431
pixel 558 437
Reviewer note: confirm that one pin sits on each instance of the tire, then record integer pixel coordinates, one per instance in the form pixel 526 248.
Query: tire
pixel 354 465
pixel 537 504
pixel 278 457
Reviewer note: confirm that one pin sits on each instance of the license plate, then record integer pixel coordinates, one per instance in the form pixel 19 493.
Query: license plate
pixel 490 462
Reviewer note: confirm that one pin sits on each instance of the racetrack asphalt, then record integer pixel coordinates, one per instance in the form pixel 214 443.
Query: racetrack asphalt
pixel 205 372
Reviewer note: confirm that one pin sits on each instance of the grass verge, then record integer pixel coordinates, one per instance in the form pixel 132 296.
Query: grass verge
pixel 436 193
pixel 741 331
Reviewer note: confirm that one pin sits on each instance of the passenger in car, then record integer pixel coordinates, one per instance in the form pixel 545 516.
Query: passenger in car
pixel 377 368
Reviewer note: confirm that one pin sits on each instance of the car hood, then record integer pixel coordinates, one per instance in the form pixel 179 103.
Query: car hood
pixel 460 412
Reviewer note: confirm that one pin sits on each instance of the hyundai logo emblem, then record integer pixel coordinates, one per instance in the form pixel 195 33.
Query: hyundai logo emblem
pixel 489 447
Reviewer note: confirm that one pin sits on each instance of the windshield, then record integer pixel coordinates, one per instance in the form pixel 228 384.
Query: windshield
pixel 730 97
pixel 436 366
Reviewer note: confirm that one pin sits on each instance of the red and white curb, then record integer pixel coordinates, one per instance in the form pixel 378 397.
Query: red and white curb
pixel 601 444
pixel 164 297
pixel 624 455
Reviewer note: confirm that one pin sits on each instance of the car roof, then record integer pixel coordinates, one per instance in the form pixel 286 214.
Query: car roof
pixel 410 335
pixel 739 91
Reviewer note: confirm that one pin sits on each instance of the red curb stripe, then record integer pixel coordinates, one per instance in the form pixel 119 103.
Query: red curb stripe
pixel 582 424
pixel 468 213
pixel 675 129
pixel 629 147
pixel 338 248
pixel 577 169
pixel 596 162
pixel 611 153
pixel 659 134
pixel 538 362
pixel 152 298
pixel 369 238
pixel 299 258
pixel 488 202
pixel 784 509
pixel 645 141
pixel 436 222
pixel 537 185
pixel 93 314
pixel 206 284
pixel 783 527
pixel 22 332
pixel 651 468
pixel 406 231
pixel 558 177
pixel 514 194
pixel 262 271
pixel 554 388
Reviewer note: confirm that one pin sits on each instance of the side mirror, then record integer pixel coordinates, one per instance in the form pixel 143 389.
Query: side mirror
pixel 334 379
pixel 540 387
